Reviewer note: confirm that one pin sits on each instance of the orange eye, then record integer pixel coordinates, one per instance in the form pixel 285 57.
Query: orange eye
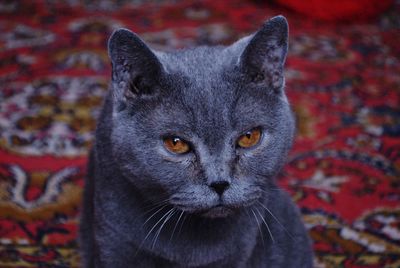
pixel 250 138
pixel 176 145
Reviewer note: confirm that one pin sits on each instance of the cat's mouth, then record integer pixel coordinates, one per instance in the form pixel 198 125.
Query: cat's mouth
pixel 218 211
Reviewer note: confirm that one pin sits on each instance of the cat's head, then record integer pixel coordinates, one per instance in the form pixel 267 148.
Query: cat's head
pixel 206 128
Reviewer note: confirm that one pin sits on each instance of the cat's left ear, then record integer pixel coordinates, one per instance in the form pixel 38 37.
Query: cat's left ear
pixel 263 58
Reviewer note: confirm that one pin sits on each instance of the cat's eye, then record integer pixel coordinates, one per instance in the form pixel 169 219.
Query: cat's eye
pixel 250 138
pixel 176 145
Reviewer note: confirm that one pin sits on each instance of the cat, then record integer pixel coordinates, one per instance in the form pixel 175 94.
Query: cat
pixel 187 148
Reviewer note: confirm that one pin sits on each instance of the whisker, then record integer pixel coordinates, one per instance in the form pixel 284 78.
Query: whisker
pixel 154 226
pixel 154 206
pixel 154 214
pixel 258 225
pixel 276 219
pixel 183 221
pixel 266 225
pixel 171 212
pixel 150 210
pixel 176 225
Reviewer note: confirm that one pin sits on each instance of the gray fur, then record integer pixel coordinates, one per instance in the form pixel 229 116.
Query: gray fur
pixel 208 96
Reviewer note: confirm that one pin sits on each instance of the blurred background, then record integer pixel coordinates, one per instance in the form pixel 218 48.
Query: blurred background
pixel 343 81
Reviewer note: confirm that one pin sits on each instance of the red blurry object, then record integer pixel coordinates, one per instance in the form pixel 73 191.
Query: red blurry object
pixel 339 10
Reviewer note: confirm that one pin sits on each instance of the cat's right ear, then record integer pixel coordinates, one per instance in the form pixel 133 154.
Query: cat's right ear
pixel 136 70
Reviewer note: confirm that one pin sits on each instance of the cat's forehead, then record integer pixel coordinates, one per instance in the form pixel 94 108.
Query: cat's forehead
pixel 203 70
pixel 200 93
pixel 200 63
pixel 207 90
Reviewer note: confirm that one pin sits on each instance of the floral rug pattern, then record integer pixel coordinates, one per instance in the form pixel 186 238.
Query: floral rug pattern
pixel 342 80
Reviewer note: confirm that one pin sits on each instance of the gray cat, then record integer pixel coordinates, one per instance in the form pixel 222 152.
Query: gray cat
pixel 187 148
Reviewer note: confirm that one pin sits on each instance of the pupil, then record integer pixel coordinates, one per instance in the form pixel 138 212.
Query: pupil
pixel 248 135
pixel 175 141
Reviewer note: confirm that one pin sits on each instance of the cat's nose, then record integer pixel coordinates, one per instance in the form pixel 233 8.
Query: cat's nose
pixel 219 186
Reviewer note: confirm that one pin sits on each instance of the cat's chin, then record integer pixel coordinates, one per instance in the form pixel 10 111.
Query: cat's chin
pixel 218 212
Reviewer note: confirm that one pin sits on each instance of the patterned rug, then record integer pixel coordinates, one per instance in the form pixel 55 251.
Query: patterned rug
pixel 342 80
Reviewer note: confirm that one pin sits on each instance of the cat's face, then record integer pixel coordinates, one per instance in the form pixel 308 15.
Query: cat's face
pixel 206 129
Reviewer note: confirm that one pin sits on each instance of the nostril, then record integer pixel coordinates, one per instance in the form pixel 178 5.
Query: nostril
pixel 219 186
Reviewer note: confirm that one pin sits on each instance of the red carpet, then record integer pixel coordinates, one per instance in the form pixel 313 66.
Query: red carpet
pixel 342 80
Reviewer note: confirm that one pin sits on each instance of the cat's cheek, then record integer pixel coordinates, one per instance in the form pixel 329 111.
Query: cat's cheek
pixel 243 193
pixel 256 165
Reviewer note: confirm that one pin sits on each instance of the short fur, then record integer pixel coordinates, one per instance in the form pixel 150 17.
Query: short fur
pixel 147 207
